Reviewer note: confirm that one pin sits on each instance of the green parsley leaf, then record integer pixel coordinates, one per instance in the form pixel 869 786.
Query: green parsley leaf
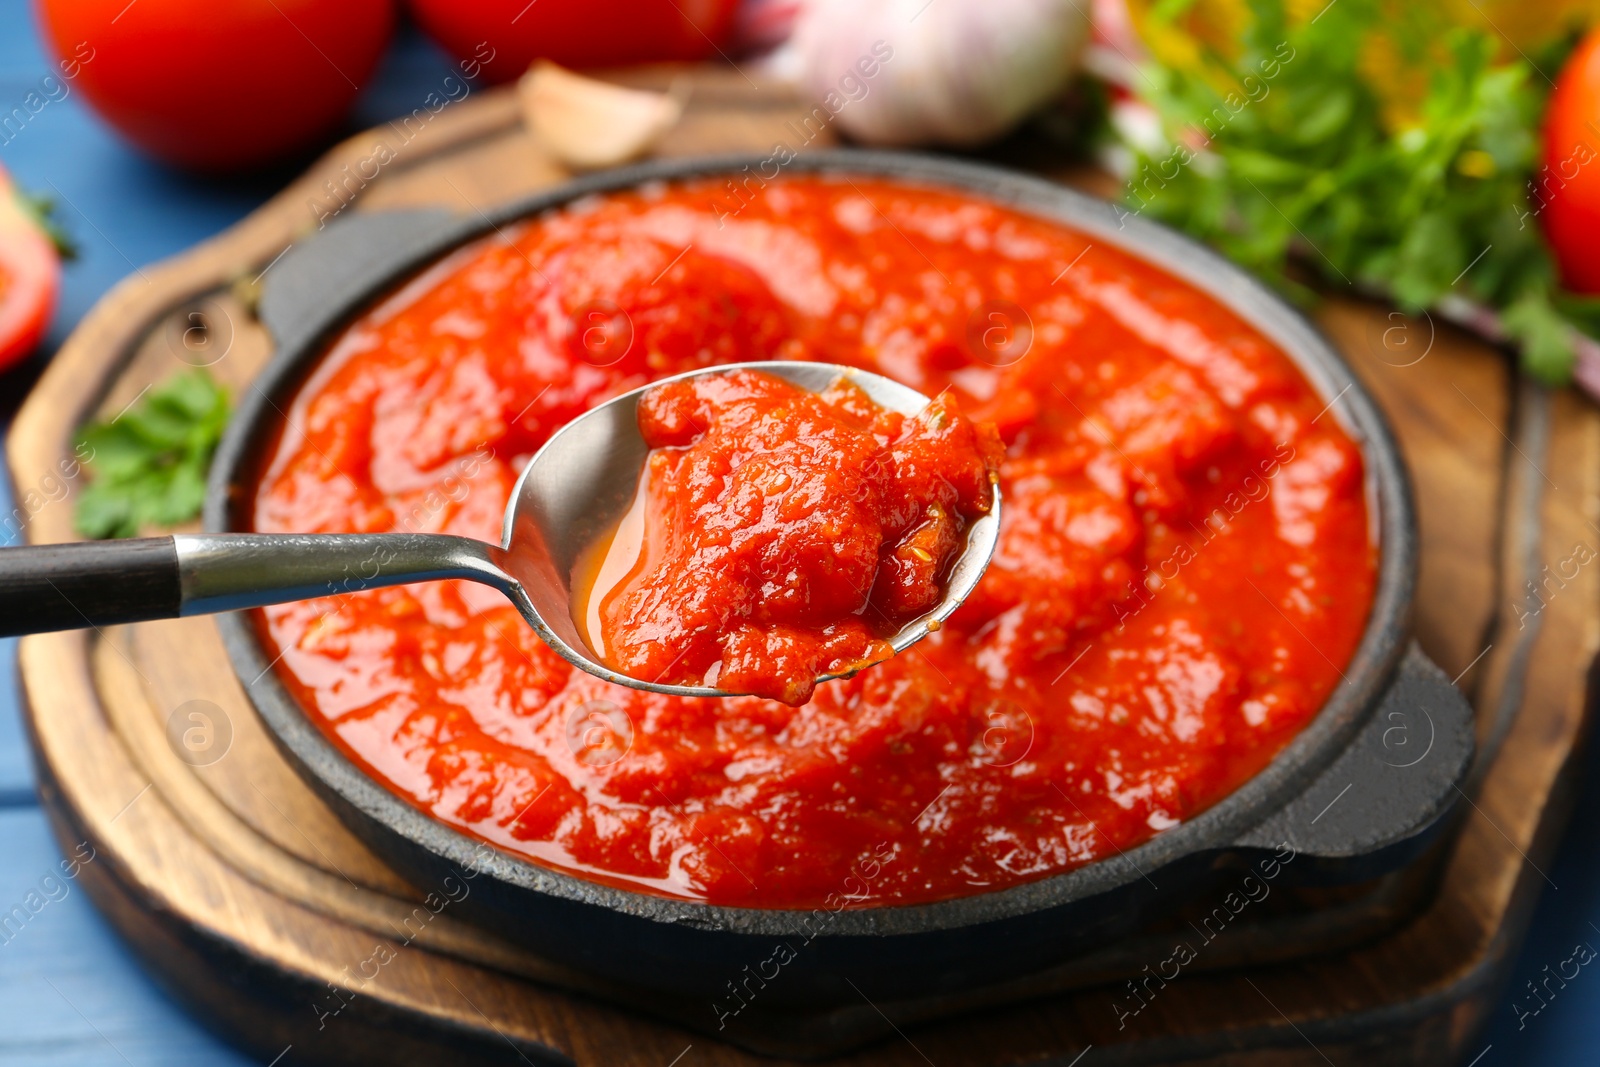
pixel 147 467
pixel 1283 157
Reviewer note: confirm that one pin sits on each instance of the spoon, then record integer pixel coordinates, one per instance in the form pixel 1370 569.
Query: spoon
pixel 573 491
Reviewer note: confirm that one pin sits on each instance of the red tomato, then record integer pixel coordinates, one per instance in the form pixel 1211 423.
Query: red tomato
pixel 30 275
pixel 218 85
pixel 505 36
pixel 1568 188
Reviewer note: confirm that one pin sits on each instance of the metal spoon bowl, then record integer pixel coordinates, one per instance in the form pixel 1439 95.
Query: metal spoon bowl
pixel 572 492
pixel 581 482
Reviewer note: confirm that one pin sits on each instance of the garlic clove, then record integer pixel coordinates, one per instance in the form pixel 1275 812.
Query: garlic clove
pixel 586 123
pixel 913 72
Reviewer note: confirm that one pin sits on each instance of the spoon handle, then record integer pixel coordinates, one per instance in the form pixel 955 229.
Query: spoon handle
pixel 102 583
pixel 96 583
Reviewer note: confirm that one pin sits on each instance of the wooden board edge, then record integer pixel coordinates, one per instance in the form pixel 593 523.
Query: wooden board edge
pixel 249 1001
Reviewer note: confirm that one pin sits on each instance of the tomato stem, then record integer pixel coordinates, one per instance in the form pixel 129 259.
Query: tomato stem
pixel 40 209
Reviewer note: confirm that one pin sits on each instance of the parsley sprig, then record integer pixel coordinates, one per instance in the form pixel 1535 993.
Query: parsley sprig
pixel 1308 170
pixel 147 467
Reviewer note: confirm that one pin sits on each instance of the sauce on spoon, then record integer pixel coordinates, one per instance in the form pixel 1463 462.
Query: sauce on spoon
pixel 781 536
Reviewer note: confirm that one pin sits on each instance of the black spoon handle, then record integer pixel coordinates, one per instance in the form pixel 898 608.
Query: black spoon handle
pixel 94 583
pixel 102 583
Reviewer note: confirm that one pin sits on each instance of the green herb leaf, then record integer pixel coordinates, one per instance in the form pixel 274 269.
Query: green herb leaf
pixel 1544 336
pixel 1301 169
pixel 147 467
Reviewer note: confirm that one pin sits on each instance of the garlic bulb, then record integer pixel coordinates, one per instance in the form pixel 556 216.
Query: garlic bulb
pixel 586 123
pixel 957 72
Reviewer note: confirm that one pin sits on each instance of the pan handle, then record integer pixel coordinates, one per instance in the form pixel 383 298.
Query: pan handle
pixel 1390 793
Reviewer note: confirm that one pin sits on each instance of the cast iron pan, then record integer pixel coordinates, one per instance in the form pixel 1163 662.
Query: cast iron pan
pixel 1362 790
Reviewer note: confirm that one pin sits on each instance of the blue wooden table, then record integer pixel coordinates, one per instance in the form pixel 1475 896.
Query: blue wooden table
pixel 70 994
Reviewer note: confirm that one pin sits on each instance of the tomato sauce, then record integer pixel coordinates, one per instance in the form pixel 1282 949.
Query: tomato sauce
pixel 779 535
pixel 1184 566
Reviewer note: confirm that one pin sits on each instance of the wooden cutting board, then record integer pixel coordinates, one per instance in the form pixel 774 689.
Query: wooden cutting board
pixel 250 900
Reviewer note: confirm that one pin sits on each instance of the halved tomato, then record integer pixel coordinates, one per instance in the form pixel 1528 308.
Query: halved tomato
pixel 30 276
